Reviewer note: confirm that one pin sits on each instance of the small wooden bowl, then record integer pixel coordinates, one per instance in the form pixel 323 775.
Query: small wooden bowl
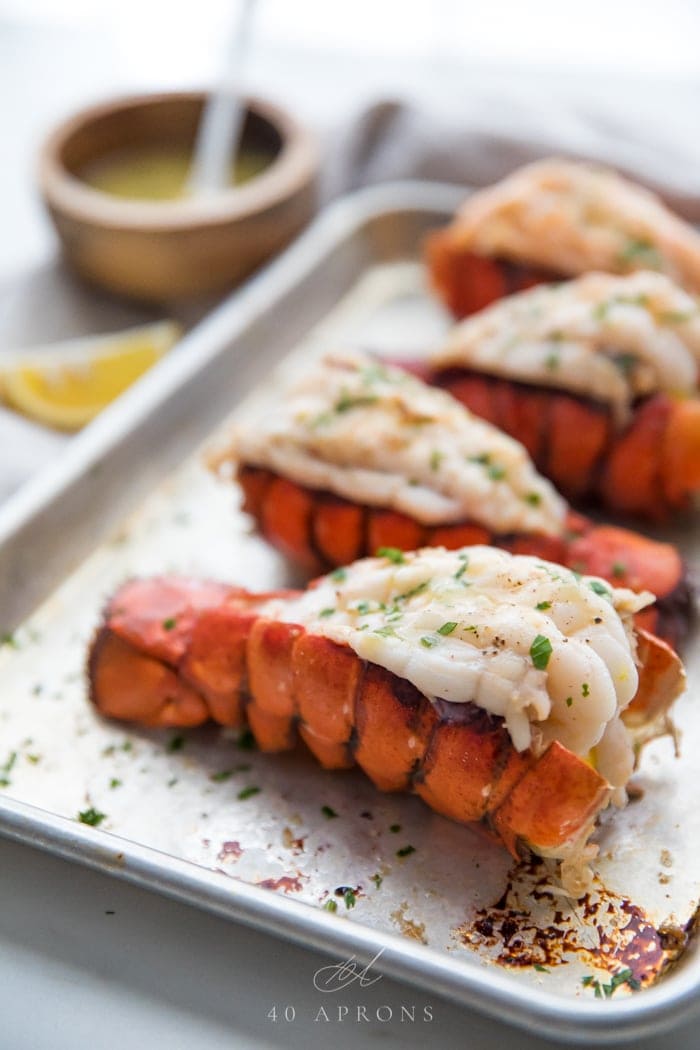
pixel 160 251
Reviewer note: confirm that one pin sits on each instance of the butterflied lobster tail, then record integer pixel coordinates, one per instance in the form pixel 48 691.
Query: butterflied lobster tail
pixel 360 682
pixel 649 467
pixel 551 221
pixel 359 456
pixel 319 530
pixel 598 378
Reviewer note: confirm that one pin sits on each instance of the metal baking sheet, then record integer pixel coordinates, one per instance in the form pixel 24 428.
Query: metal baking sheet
pixel 269 840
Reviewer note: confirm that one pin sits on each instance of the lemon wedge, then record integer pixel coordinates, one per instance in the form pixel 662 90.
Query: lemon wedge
pixel 65 386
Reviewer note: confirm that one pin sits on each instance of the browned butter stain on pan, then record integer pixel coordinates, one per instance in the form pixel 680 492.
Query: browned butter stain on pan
pixel 532 925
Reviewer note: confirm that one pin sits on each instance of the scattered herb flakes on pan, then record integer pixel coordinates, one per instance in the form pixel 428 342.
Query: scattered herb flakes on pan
pixel 248 792
pixel 350 899
pixel 447 628
pixel 328 812
pixel 7 768
pixel 599 588
pixel 405 851
pixel 176 743
pixel 223 774
pixel 541 606
pixel 540 651
pixel 91 816
pixel 429 641
pixel 115 782
pixel 605 991
pixel 330 905
pixel 393 554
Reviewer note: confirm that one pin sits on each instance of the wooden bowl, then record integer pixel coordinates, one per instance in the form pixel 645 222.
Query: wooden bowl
pixel 160 251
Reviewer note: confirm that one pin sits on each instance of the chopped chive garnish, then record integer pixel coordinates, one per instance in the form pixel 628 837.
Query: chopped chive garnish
pixel 325 613
pixel 552 362
pixel 618 569
pixel 91 816
pixel 115 782
pixel 569 701
pixel 176 743
pixel 533 498
pixel 483 459
pixel 428 641
pixel 540 651
pixel 395 828
pixel 543 605
pixel 330 905
pixel 385 632
pixel 328 812
pixel 223 774
pixel 169 623
pixel 350 899
pixel 540 968
pixel 418 589
pixel 585 689
pixel 339 575
pixel 405 851
pixel 436 458
pixel 377 879
pixel 497 473
pixel 248 792
pixel 447 628
pixel 392 553
pixel 599 588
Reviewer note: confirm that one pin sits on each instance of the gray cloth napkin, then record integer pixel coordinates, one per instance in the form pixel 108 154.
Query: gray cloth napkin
pixel 473 138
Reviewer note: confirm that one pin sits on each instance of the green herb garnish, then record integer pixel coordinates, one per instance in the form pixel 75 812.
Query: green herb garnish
pixel 599 588
pixel 585 689
pixel 339 575
pixel 569 701
pixel 91 816
pixel 377 879
pixel 115 782
pixel 246 741
pixel 176 743
pixel 428 641
pixel 540 968
pixel 540 651
pixel 330 905
pixel 497 473
pixel 447 628
pixel 543 605
pixel 405 851
pixel 350 899
pixel 325 613
pixel 392 553
pixel 328 812
pixel 248 792
pixel 436 458
pixel 169 623
pixel 533 498
pixel 223 774
pixel 395 828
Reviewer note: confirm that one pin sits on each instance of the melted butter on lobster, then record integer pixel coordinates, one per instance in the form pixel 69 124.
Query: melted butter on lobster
pixel 568 218
pixel 356 455
pixel 499 688
pixel 613 339
pixel 374 434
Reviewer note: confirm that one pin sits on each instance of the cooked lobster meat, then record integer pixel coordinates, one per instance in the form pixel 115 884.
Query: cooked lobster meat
pixel 598 378
pixel 357 455
pixel 553 220
pixel 500 688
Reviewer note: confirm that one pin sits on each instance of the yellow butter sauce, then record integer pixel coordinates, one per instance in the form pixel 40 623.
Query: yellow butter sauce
pixel 159 172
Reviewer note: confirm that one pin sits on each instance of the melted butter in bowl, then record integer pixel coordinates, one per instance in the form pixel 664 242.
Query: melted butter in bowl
pixel 159 172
